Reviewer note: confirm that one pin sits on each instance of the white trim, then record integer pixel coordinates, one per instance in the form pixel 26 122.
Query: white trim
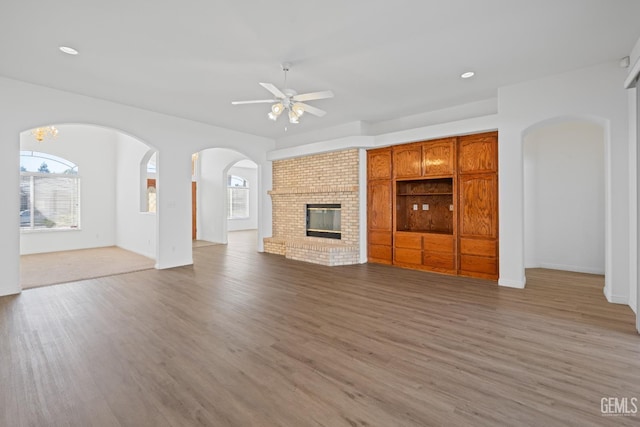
pixel 362 193
pixel 617 299
pixel 519 284
pixel 633 75
pixel 573 268
pixel 339 144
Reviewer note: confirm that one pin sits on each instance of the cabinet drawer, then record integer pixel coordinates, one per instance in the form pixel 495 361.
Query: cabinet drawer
pixel 379 238
pixel 439 260
pixel 409 241
pixel 408 256
pixel 379 252
pixel 478 264
pixel 486 248
pixel 438 243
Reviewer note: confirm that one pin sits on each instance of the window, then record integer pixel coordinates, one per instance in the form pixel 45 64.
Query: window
pixel 238 197
pixel 49 192
pixel 148 193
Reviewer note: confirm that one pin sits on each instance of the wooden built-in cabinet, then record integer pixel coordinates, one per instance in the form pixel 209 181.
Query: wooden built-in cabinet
pixel 433 205
pixel 379 206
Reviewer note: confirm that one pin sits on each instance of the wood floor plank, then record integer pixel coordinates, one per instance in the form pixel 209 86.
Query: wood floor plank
pixel 248 339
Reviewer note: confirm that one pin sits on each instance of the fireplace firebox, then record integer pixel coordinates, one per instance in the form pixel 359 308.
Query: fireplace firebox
pixel 323 220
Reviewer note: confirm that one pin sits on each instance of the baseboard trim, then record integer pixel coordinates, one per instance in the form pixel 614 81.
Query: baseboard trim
pixel 574 268
pixel 518 284
pixel 615 299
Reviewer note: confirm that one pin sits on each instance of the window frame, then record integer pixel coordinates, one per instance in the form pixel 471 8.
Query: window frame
pixel 32 228
pixel 244 187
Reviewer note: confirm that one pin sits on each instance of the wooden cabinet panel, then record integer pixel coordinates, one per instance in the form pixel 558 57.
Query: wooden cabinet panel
pixel 478 205
pixel 380 254
pixel 379 164
pixel 477 264
pixel 438 157
pixel 379 205
pixel 433 205
pixel 407 161
pixel 438 243
pixel 408 240
pixel 439 260
pixel 408 256
pixel 480 247
pixel 478 153
pixel 379 238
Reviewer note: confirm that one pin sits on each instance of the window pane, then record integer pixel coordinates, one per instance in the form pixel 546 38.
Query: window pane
pixel 238 206
pixel 55 201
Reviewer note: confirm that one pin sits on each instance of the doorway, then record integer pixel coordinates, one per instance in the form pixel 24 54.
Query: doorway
pixel 564 197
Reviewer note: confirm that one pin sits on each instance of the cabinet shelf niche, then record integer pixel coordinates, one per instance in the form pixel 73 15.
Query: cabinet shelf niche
pixel 425 205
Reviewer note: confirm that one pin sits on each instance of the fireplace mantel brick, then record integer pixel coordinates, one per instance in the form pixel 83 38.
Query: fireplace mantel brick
pixel 321 178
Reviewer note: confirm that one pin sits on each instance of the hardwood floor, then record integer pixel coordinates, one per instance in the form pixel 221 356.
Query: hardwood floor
pixel 243 339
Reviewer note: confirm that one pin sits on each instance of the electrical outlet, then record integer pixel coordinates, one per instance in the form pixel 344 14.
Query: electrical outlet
pixel 415 207
pixel 425 207
pixel 451 208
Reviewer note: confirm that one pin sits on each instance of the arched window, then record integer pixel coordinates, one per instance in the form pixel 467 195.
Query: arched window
pixel 238 197
pixel 49 192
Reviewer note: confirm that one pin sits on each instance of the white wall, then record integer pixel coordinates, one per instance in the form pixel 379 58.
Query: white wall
pixel 212 193
pixel 251 223
pixel 93 150
pixel 24 106
pixel 135 230
pixel 564 197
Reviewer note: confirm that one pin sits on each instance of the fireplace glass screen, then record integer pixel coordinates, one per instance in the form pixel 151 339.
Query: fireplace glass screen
pixel 323 220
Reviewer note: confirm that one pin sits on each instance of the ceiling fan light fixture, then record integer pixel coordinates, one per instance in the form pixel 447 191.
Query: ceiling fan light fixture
pixel 298 108
pixel 277 108
pixel 272 116
pixel 293 117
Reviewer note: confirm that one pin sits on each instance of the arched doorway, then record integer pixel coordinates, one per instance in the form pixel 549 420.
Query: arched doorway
pixel 104 211
pixel 228 184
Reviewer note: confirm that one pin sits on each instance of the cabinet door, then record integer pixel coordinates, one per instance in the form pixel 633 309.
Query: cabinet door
pixel 379 164
pixel 478 153
pixel 438 157
pixel 379 205
pixel 407 161
pixel 379 221
pixel 478 207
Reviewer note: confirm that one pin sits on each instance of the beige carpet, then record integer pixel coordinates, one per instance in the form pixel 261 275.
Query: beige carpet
pixel 70 266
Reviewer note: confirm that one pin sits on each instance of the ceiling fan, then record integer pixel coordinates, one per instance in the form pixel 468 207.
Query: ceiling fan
pixel 289 100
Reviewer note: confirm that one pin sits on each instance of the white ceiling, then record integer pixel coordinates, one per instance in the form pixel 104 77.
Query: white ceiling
pixel 382 59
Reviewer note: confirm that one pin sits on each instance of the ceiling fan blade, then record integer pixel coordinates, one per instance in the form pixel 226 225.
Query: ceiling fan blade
pixel 313 96
pixel 313 110
pixel 256 101
pixel 274 90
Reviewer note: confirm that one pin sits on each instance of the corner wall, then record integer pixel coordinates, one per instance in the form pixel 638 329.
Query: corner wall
pixel 135 230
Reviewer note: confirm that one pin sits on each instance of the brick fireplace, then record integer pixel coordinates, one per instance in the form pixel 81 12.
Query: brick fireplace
pixel 328 179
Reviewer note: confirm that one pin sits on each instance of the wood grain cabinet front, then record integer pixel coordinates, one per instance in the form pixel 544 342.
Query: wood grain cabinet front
pixel 433 205
pixel 407 161
pixel 379 206
pixel 439 157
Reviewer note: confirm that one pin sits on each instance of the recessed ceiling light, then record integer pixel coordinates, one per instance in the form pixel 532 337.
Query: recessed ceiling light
pixel 467 74
pixel 68 50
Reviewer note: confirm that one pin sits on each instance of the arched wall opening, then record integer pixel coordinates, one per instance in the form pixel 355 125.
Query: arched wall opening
pixel 211 172
pixel 565 195
pixel 108 201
